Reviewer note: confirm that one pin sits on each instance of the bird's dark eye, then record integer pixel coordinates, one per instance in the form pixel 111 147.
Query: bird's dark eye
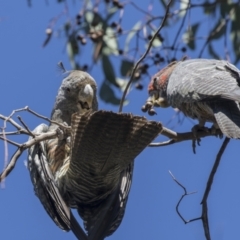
pixel 155 79
pixel 68 89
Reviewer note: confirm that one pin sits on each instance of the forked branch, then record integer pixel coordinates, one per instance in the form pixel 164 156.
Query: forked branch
pixel 204 216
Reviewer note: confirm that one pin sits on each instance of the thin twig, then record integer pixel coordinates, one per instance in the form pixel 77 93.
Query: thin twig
pixel 26 127
pixel 162 144
pixel 9 119
pixel 12 133
pixel 46 119
pixel 180 28
pixel 144 55
pixel 141 10
pixel 6 140
pixel 10 141
pixel 180 200
pixel 5 150
pixel 219 28
pixel 23 147
pixel 176 137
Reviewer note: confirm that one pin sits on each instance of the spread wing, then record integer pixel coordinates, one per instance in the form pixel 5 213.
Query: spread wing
pixel 104 146
pixel 46 190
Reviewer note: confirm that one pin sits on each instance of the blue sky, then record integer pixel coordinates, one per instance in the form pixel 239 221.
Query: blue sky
pixel 29 78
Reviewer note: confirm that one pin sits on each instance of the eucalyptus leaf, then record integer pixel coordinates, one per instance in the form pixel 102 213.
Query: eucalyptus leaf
pixel 183 6
pixel 107 94
pixel 89 17
pixel 209 9
pixel 219 29
pixel 156 42
pixel 111 13
pixel 110 40
pixel 126 67
pixel 109 70
pixel 190 35
pixel 225 8
pixel 131 34
pixel 72 47
pixel 122 83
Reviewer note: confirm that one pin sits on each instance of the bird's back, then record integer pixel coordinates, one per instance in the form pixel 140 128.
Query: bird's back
pixel 203 79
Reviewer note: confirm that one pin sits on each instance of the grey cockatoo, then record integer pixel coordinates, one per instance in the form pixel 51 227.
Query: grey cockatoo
pixel 207 90
pixel 92 168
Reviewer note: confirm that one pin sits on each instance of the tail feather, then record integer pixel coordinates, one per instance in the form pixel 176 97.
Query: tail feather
pixel 227 114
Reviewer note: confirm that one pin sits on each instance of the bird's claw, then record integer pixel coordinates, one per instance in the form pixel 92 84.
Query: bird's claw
pixel 195 129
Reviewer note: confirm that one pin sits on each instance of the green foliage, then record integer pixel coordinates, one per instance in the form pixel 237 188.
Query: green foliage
pixel 189 36
pixel 108 70
pixel 126 67
pixel 192 29
pixel 107 94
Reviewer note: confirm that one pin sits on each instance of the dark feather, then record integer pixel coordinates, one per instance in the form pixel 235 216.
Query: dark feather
pixel 97 183
pixel 47 192
pixel 227 115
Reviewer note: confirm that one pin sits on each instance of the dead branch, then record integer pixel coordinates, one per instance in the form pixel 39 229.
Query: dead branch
pixel 144 55
pixel 25 126
pixel 11 133
pixel 62 126
pixel 176 137
pixel 204 216
pixel 10 141
pixel 180 200
pixel 16 125
pixel 22 147
pixel 19 127
pixel 8 167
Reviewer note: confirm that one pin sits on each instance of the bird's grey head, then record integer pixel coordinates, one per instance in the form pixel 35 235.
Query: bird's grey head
pixel 157 87
pixel 157 90
pixel 77 93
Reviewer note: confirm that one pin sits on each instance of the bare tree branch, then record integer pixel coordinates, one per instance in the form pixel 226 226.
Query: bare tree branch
pixel 29 132
pixel 204 216
pixel 176 137
pixel 19 127
pixel 180 200
pixel 46 119
pixel 11 133
pixel 22 147
pixel 10 141
pixel 16 125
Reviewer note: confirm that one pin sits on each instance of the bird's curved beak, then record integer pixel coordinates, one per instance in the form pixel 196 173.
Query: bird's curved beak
pixel 154 95
pixel 157 100
pixel 86 98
